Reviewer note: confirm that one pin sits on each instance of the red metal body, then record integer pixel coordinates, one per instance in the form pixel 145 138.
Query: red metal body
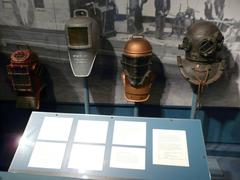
pixel 24 72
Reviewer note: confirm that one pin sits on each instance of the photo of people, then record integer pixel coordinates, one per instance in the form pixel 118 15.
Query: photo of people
pixel 164 23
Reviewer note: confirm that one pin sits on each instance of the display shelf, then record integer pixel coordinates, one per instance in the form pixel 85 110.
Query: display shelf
pixel 121 147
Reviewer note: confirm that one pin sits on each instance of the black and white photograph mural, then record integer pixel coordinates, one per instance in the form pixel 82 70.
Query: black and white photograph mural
pixel 40 24
pixel 24 12
pixel 104 11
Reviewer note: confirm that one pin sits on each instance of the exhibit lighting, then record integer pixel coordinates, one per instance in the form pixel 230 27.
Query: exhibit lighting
pixel 24 142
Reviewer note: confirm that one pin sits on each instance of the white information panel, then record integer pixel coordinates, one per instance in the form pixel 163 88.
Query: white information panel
pixel 91 131
pixel 55 128
pixel 87 157
pixel 47 155
pixel 128 158
pixel 170 147
pixel 129 133
pixel 111 147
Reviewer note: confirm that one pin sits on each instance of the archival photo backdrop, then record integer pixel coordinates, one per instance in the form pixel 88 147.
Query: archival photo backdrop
pixel 40 24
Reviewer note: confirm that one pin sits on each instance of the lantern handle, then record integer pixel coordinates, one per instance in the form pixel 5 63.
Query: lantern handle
pixel 80 12
pixel 136 36
pixel 22 46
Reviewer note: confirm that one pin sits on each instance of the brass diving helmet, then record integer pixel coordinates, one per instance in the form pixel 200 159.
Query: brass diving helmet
pixel 137 75
pixel 203 63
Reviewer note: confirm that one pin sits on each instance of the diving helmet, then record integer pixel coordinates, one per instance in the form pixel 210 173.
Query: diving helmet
pixel 82 34
pixel 203 63
pixel 137 75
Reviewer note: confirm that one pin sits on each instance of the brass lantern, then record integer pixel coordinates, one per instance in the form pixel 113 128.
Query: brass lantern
pixel 25 74
pixel 137 75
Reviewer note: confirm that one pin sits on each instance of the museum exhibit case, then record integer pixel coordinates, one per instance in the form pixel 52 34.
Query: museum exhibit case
pixel 94 68
pixel 111 147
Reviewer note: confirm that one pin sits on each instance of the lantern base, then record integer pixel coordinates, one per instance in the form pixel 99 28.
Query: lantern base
pixel 28 102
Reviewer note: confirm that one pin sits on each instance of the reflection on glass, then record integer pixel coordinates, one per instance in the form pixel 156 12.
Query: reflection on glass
pixel 127 158
pixel 91 131
pixel 55 128
pixel 86 157
pixel 78 36
pixel 47 155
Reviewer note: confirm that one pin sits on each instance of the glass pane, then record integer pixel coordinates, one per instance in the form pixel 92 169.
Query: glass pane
pixel 207 47
pixel 19 70
pixel 21 80
pixel 78 36
pixel 39 3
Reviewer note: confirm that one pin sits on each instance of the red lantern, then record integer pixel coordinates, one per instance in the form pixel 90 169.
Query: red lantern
pixel 25 74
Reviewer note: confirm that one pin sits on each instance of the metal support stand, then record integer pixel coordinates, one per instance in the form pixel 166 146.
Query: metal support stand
pixel 194 105
pixel 135 110
pixel 86 95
